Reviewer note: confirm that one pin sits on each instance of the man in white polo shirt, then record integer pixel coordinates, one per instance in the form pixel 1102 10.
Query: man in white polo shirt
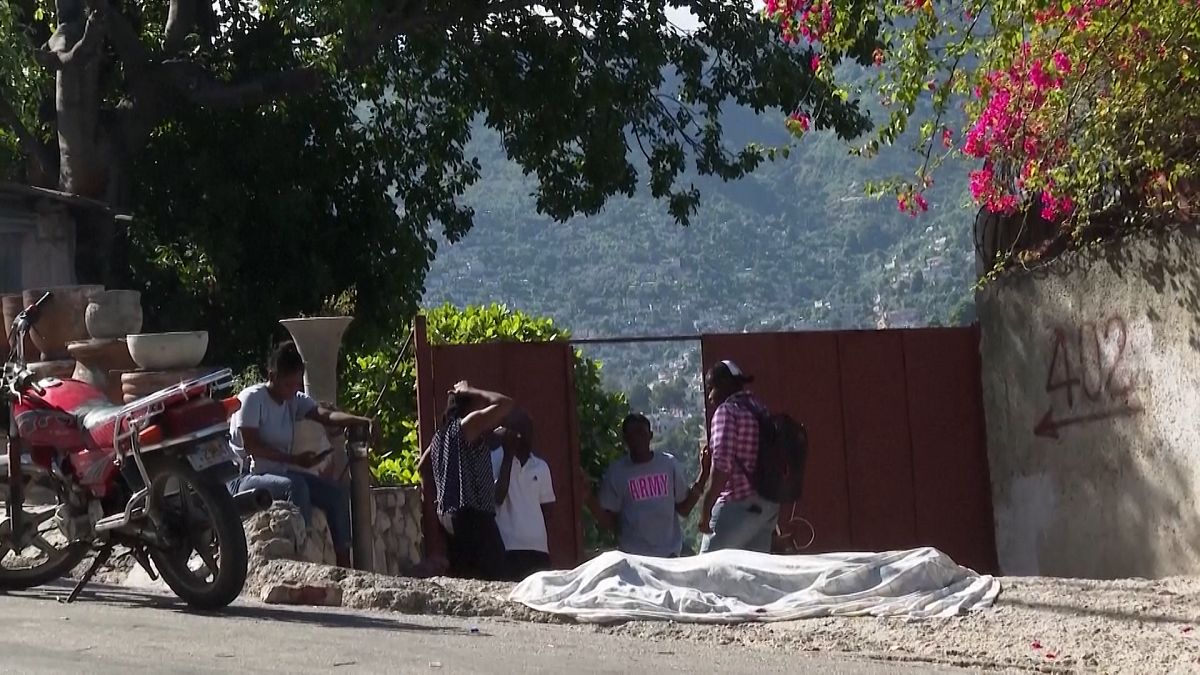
pixel 524 495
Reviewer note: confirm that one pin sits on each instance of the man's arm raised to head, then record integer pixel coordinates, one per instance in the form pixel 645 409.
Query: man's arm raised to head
pixel 495 408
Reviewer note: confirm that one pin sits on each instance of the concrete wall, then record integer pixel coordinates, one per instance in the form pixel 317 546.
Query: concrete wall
pixel 1091 385
pixel 46 236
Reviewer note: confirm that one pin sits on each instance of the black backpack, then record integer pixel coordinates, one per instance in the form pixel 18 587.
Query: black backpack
pixel 782 454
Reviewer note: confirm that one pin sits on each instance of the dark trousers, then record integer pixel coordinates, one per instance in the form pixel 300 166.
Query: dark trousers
pixel 475 549
pixel 520 564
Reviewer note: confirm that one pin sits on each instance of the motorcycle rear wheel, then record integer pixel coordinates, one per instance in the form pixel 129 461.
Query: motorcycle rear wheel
pixel 207 564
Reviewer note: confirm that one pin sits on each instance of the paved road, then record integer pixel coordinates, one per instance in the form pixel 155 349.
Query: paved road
pixel 117 630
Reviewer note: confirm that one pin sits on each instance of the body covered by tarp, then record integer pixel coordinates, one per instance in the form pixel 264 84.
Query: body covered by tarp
pixel 740 586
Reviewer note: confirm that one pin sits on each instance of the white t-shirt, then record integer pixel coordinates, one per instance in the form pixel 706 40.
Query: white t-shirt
pixel 275 422
pixel 520 520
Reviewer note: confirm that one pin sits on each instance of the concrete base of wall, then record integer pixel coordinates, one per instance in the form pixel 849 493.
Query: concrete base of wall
pixel 1091 384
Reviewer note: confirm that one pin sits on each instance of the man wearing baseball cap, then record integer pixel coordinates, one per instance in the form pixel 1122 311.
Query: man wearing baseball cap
pixel 734 514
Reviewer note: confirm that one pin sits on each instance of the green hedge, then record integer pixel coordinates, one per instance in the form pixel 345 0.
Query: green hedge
pixel 600 411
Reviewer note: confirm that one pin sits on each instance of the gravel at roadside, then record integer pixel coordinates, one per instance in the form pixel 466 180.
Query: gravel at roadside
pixel 1051 625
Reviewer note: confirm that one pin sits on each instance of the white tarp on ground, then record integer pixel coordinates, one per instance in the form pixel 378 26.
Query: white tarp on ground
pixel 739 586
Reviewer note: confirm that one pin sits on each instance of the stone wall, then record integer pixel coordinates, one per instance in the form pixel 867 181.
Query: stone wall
pixel 397 519
pixel 1091 379
pixel 279 532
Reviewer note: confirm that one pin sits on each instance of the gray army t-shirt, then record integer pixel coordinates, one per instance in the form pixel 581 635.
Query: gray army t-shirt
pixel 644 497
pixel 276 423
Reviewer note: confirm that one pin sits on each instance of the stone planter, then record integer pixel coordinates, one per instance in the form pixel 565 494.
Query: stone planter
pixel 168 351
pixel 62 318
pixel 396 521
pixel 57 369
pixel 11 305
pixel 114 314
pixel 94 359
pixel 319 340
pixel 139 384
pixel 114 389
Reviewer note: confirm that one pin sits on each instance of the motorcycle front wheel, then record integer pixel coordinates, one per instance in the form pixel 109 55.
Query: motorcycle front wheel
pixel 42 551
pixel 203 556
pixel 42 555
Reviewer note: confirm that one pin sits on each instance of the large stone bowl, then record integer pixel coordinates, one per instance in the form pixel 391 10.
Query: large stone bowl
pixel 61 319
pixel 114 314
pixel 168 351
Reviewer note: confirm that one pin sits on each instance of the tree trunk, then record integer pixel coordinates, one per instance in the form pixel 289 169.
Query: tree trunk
pixel 77 101
pixel 88 160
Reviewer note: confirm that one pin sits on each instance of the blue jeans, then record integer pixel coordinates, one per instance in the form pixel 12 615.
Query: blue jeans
pixel 746 524
pixel 305 490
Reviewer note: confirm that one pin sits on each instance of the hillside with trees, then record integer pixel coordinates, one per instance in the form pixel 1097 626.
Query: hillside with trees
pixel 796 245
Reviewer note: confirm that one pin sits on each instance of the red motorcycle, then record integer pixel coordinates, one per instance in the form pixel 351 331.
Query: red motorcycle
pixel 84 474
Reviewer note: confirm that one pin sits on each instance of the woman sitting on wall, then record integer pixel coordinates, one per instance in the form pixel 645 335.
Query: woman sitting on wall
pixel 261 432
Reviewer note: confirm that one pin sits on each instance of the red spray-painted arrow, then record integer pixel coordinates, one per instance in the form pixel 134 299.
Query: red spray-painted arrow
pixel 1048 427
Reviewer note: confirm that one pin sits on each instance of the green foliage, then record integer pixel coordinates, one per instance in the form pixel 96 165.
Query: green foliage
pixel 1081 111
pixel 600 412
pixel 18 93
pixel 275 155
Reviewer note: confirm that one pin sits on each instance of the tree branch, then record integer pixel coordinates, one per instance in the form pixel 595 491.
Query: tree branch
pixel 90 43
pixel 199 87
pixel 133 54
pixel 181 17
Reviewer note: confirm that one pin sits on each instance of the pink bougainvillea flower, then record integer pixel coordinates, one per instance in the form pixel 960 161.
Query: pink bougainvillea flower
pixel 1062 62
pixel 799 121
pixel 878 56
pixel 1038 76
pixel 815 62
pixel 947 135
pixel 921 202
pixel 981 183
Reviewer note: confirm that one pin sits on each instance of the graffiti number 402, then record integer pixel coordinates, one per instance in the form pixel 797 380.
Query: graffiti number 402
pixel 1091 362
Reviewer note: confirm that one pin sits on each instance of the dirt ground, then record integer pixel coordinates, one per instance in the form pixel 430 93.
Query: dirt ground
pixel 1049 625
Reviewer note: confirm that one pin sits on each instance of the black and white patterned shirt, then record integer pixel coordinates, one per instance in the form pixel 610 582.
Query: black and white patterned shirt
pixel 462 472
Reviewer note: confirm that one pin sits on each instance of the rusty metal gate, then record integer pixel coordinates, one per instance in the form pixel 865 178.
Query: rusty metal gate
pixel 897 453
pixel 897 449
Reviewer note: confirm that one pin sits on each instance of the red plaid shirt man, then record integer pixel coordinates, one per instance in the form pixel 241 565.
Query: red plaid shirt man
pixel 734 442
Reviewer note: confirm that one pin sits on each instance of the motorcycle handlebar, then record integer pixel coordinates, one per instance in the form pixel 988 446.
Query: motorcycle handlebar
pixel 37 389
pixel 24 321
pixel 41 301
pixel 31 312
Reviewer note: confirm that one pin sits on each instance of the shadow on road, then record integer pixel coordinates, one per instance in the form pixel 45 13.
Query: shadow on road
pixel 1073 609
pixel 129 597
